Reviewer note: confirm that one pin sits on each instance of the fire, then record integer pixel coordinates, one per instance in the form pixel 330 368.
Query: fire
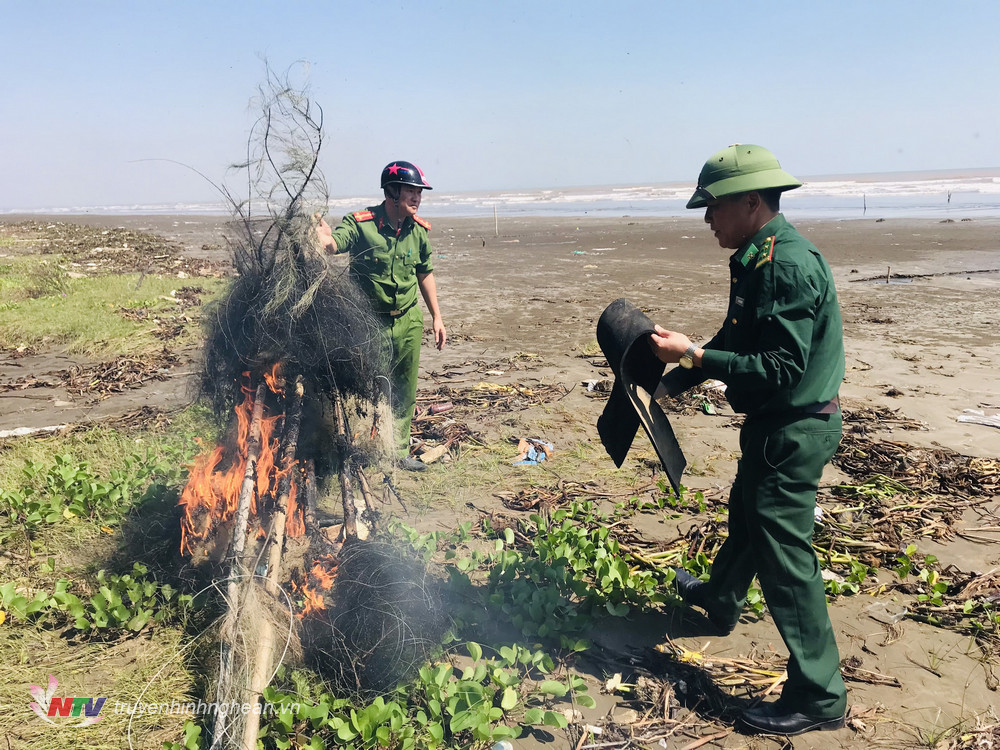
pixel 275 379
pixel 321 575
pixel 211 496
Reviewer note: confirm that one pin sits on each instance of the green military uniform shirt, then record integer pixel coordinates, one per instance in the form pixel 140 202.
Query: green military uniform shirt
pixel 781 347
pixel 384 262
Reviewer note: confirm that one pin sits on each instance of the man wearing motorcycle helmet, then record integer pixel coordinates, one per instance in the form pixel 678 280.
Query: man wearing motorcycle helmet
pixel 780 352
pixel 390 259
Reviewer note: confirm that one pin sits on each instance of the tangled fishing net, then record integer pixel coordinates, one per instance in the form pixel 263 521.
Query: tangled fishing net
pixel 384 620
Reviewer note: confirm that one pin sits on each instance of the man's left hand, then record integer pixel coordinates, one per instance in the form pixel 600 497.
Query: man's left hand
pixel 440 334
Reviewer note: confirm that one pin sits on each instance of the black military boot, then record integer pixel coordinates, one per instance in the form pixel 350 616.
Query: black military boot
pixel 693 590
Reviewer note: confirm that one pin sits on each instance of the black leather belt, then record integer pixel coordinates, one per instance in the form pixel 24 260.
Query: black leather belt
pixel 397 313
pixel 826 407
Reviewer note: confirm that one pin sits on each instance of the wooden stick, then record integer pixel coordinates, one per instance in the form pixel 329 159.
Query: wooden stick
pixel 706 740
pixel 228 632
pixel 346 490
pixel 293 418
pixel 367 499
pixel 238 542
pixel 258 681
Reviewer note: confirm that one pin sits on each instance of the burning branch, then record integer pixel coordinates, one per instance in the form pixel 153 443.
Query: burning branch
pixel 293 418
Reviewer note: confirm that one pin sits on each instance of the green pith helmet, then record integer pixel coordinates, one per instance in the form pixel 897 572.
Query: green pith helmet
pixel 740 169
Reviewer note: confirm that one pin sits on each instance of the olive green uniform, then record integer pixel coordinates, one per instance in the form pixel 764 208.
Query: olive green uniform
pixel 385 263
pixel 780 353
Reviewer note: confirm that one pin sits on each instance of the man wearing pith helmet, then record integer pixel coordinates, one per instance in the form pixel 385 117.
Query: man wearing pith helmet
pixel 780 352
pixel 390 258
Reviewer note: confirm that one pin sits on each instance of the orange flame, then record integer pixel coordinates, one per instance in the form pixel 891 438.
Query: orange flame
pixel 275 379
pixel 211 496
pixel 322 574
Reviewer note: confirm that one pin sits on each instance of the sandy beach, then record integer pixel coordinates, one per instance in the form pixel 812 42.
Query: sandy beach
pixel 926 347
pixel 539 285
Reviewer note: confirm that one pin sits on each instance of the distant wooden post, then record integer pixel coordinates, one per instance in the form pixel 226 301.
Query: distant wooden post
pixel 496 223
pixel 888 273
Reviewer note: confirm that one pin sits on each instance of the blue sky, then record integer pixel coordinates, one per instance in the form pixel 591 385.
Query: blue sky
pixel 490 95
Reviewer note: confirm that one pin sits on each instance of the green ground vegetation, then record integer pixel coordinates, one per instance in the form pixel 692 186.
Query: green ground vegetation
pixel 547 578
pixel 43 304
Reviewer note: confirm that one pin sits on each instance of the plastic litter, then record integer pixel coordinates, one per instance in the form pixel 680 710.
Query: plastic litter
pixel 975 416
pixel 532 451
pixel 886 614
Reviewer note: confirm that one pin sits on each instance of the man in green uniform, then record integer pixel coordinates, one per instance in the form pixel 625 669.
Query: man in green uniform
pixel 390 258
pixel 780 353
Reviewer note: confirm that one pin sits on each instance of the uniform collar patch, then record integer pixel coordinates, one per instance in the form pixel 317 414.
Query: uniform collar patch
pixel 748 255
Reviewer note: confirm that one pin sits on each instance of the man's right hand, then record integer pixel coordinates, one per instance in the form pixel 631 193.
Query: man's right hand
pixel 325 236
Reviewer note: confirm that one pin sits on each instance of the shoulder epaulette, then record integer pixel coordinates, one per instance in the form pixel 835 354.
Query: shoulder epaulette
pixel 363 215
pixel 423 222
pixel 766 251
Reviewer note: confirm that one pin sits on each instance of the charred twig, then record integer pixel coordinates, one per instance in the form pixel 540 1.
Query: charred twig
pixel 351 526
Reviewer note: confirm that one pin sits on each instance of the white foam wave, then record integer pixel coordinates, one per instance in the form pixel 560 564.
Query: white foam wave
pixel 915 196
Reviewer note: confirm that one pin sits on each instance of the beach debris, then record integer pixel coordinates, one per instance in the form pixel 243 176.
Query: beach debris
pixel 985 586
pixel 977 416
pixel 931 471
pixel 707 398
pixel 599 387
pixel 851 669
pixel 537 498
pixel 104 378
pixel 92 251
pixel 431 455
pixel 886 614
pixel 532 451
pixel 498 397
pixel 861 419
pixel 25 431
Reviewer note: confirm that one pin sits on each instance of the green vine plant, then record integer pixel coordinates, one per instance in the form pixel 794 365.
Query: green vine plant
pixel 69 489
pixel 123 603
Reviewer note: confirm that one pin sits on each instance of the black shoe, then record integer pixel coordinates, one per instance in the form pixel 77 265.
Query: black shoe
pixel 772 718
pixel 412 464
pixel 692 590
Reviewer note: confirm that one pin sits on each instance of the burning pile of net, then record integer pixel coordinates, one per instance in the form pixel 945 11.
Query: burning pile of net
pixel 292 355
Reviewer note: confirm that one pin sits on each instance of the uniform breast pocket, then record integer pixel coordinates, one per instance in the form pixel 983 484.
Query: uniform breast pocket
pixel 409 258
pixel 371 261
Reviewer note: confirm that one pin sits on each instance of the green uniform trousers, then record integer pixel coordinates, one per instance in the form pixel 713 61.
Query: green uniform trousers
pixel 405 335
pixel 771 519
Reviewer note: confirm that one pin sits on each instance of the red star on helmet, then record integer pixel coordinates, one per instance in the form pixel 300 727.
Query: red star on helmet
pixel 394 169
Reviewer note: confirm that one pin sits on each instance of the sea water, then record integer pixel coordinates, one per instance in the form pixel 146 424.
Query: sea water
pixel 969 195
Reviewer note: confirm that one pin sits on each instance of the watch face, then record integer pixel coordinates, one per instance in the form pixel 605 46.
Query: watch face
pixel 686 362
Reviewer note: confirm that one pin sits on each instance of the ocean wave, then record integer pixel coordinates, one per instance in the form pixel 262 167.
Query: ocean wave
pixel 823 197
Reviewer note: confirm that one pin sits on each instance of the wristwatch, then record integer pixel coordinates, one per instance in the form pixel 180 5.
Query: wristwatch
pixel 687 358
